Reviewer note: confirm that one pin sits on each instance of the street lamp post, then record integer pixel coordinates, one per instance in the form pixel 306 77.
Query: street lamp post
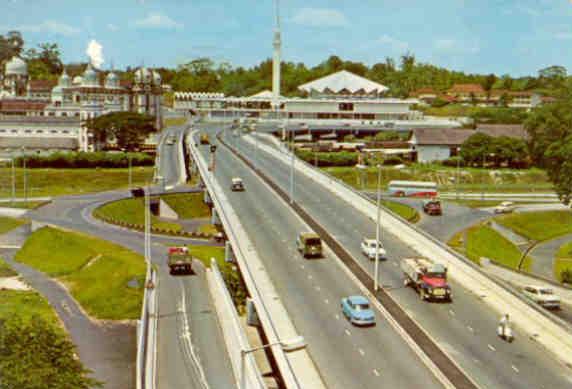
pixel 377 230
pixel 288 345
pixel 13 171
pixel 292 169
pixel 25 176
pixel 458 172
pixel 484 161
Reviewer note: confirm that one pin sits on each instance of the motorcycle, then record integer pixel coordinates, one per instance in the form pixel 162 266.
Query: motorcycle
pixel 505 333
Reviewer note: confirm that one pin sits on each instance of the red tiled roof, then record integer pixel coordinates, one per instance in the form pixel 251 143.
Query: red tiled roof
pixel 21 105
pixel 466 88
pixel 125 83
pixel 42 85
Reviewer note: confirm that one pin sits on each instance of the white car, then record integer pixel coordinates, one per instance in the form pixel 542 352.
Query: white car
pixel 505 207
pixel 542 296
pixel 369 248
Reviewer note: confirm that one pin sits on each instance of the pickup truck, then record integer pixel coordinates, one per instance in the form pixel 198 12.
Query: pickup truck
pixel 427 277
pixel 205 139
pixel 179 260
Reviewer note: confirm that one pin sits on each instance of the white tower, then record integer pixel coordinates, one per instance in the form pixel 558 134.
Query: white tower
pixel 277 43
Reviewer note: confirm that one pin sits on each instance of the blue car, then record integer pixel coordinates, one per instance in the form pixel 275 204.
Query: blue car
pixel 358 311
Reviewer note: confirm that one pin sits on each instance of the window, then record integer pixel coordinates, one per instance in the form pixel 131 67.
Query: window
pixel 53 131
pixel 28 131
pixel 2 130
pixel 39 131
pixel 14 131
pixel 65 132
pixel 346 106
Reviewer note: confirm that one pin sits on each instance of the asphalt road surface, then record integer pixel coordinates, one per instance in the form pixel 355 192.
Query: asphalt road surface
pixel 347 356
pixel 465 328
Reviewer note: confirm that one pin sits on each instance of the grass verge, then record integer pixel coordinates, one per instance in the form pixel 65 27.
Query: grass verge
pixel 482 241
pixel 5 270
pixel 405 211
pixel 538 226
pixel 563 260
pixel 96 272
pixel 9 223
pixel 59 182
pixel 187 205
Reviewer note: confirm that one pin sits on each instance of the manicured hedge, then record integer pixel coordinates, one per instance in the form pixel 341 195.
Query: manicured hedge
pixel 86 160
pixel 342 158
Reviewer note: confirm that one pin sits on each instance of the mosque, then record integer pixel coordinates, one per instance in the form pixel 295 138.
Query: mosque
pixel 48 116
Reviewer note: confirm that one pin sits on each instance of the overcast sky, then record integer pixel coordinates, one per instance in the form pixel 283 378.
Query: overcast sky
pixel 501 36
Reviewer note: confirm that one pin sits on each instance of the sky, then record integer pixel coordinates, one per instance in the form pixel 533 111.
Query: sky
pixel 516 37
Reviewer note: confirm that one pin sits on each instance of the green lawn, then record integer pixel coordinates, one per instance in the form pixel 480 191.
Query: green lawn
pixel 58 182
pixel 6 270
pixel 9 223
pixel 188 205
pixel 177 121
pixel 487 203
pixel 26 304
pixel 483 241
pixel 473 180
pixel 538 225
pixel 132 210
pixel 563 260
pixel 96 272
pixel 205 253
pixel 405 211
pixel 207 229
pixel 23 205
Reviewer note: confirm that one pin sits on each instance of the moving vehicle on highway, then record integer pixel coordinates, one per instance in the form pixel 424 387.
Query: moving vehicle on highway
pixel 179 260
pixel 505 207
pixel 236 185
pixel 427 277
pixel 432 207
pixel 369 247
pixel 137 192
pixel 204 139
pixel 171 140
pixel 358 311
pixel 543 296
pixel 309 244
pixel 412 188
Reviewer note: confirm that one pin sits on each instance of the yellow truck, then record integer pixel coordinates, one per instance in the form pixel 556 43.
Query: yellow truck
pixel 205 139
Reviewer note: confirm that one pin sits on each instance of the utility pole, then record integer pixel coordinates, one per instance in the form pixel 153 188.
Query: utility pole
pixel 377 230
pixel 13 169
pixel 292 169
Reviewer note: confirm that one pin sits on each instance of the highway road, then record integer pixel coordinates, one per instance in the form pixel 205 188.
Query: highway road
pixel 189 335
pixel 169 156
pixel 347 357
pixel 465 328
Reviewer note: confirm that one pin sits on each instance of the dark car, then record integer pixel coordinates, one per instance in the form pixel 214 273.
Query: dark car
pixel 138 192
pixel 432 207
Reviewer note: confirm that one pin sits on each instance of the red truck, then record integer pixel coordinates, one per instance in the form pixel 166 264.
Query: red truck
pixel 427 277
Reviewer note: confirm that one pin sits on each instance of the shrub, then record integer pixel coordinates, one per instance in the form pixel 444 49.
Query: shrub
pixel 392 160
pixel 85 160
pixel 453 161
pixel 566 276
pixel 342 158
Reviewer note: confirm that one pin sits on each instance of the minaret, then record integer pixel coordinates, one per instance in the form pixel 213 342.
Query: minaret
pixel 277 43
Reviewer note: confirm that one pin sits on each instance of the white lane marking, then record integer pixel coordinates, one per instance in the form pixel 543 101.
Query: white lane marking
pixel 376 372
pixel 309 276
pixel 361 352
pixel 514 368
pixel 317 288
pixel 470 328
pixel 348 333
pixel 491 347
pixel 301 266
pixel 338 317
pixel 327 301
pixel 452 312
pixel 394 264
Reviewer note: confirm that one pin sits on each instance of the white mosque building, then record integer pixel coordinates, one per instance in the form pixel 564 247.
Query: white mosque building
pixel 38 115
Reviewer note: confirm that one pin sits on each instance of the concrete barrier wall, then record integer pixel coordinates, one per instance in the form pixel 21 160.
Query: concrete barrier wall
pixel 296 368
pixel 232 331
pixel 146 359
pixel 529 318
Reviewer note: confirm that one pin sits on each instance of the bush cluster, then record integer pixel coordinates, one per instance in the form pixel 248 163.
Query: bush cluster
pixel 342 158
pixel 566 276
pixel 78 160
pixel 453 161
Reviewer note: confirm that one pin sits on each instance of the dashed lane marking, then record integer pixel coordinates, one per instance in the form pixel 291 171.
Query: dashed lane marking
pixel 361 352
pixel 317 288
pixel 327 301
pixel 451 312
pixel 338 317
pixel 514 368
pixel 470 328
pixel 348 333
pixel 376 372
pixel 491 347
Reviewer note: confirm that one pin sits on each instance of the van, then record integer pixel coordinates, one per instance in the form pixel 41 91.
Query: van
pixel 309 244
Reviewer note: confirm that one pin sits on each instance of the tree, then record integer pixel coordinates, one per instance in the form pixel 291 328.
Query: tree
pixel 10 45
pixel 129 129
pixel 37 355
pixel 488 83
pixel 559 167
pixel 476 147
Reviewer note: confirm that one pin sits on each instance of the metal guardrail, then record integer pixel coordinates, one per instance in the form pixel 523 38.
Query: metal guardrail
pixel 147 335
pixel 465 261
pixel 234 335
pixel 287 372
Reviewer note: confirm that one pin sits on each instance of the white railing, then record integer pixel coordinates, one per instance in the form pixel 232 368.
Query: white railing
pixel 233 333
pixel 147 334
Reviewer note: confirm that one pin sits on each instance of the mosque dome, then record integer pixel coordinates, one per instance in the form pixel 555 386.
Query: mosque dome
pixel 89 77
pixel 64 80
pixel 16 66
pixel 156 78
pixel 111 80
pixel 77 80
pixel 143 75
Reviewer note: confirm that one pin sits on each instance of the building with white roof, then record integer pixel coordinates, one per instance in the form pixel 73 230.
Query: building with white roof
pixel 343 84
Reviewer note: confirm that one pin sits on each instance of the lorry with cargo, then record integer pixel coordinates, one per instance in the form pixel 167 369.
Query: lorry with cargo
pixel 427 277
pixel 179 260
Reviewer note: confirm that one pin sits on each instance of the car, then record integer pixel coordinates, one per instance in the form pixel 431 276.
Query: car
pixel 138 192
pixel 358 311
pixel 432 207
pixel 171 141
pixel 542 295
pixel 309 244
pixel 505 207
pixel 369 248
pixel 236 185
pixel 204 140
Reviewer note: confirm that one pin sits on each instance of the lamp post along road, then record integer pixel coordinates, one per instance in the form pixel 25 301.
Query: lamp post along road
pixel 458 172
pixel 13 170
pixel 377 232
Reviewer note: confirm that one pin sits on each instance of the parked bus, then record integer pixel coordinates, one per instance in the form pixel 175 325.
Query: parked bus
pixel 412 188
